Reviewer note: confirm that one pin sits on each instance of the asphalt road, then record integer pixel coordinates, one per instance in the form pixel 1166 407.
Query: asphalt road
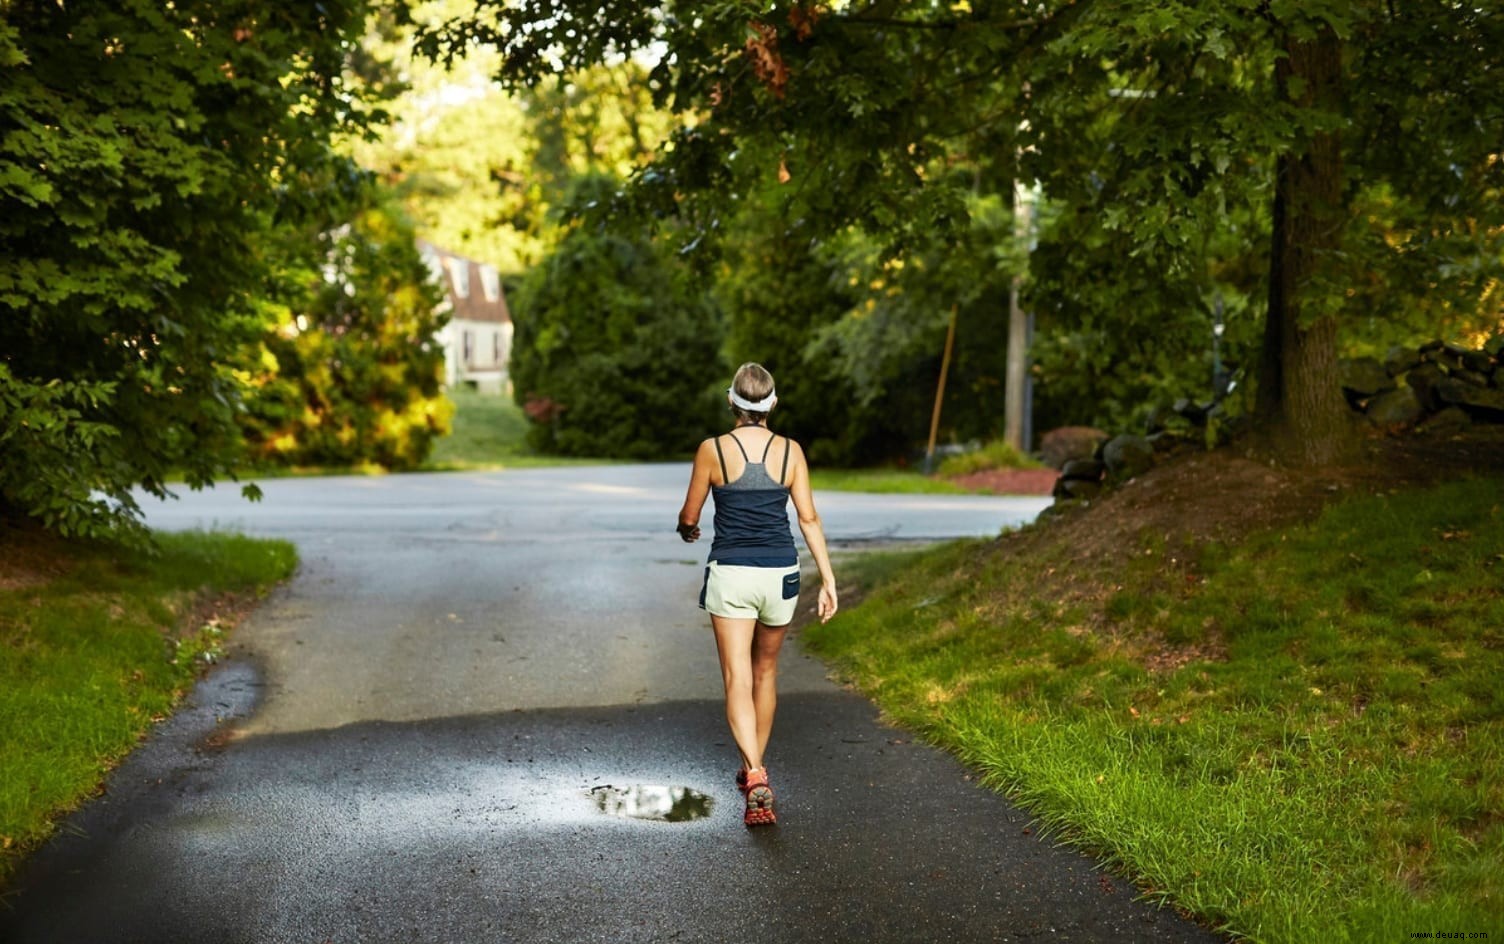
pixel 449 726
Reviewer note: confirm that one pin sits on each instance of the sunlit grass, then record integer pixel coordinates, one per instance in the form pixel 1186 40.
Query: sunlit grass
pixel 1323 761
pixel 489 431
pixel 893 481
pixel 997 454
pixel 90 659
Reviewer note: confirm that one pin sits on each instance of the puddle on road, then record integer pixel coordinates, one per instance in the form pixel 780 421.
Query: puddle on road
pixel 664 804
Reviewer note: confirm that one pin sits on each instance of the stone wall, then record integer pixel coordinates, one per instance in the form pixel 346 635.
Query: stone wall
pixel 1435 386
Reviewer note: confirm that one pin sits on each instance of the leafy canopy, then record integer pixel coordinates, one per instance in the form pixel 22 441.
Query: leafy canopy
pixel 146 152
pixel 1155 130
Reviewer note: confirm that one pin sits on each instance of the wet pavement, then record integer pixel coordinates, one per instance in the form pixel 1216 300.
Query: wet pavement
pixel 487 709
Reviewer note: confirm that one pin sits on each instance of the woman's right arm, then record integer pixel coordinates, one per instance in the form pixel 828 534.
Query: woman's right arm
pixel 814 533
pixel 699 490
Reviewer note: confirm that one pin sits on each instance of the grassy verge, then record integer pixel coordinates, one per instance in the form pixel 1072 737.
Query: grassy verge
pixel 489 432
pixel 891 481
pixel 91 657
pixel 1297 738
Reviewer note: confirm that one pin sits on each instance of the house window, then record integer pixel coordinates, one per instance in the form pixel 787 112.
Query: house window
pixel 460 270
pixel 468 345
pixel 491 282
pixel 496 348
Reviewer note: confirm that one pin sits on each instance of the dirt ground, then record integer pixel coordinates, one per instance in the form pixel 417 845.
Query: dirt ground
pixel 1009 481
pixel 1196 496
pixel 29 556
pixel 1193 495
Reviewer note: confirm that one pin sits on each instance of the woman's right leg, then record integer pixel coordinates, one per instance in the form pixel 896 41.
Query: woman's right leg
pixel 733 640
pixel 766 642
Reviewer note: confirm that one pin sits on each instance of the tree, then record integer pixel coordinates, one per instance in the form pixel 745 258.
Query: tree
pixel 616 351
pixel 777 294
pixel 1284 105
pixel 351 368
pixel 146 150
pixel 1153 125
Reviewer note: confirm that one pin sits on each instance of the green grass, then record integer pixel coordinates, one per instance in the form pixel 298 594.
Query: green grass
pixel 1329 763
pixel 89 659
pixel 994 455
pixel 489 432
pixel 893 481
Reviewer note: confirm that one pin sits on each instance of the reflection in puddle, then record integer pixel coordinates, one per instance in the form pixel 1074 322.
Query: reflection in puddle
pixel 667 804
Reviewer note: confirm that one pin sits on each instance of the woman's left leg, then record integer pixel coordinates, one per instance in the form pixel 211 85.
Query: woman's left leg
pixel 734 643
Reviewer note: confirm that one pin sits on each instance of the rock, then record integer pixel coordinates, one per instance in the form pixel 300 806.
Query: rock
pixel 1448 421
pixel 1400 407
pixel 1450 356
pixel 1399 360
pixel 1087 470
pixel 1076 490
pixel 1362 377
pixel 1472 377
pixel 1494 345
pixel 1479 362
pixel 1431 347
pixel 1127 456
pixel 1478 402
pixel 1423 381
pixel 1059 446
pixel 1191 411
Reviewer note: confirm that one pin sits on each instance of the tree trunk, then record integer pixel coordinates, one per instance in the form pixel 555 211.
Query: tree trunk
pixel 1300 405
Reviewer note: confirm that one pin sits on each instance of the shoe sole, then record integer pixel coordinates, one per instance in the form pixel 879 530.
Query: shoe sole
pixel 760 807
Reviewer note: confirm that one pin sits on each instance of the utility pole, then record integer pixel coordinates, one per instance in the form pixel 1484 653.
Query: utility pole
pixel 1016 375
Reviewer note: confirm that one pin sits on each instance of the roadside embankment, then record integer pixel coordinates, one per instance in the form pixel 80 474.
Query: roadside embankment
pixel 1283 717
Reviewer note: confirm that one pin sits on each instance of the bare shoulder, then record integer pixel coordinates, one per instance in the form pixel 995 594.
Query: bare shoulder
pixel 796 454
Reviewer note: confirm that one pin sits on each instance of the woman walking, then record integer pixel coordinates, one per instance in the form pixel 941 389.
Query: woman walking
pixel 752 577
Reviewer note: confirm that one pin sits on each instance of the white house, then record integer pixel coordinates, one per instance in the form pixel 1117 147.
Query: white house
pixel 478 338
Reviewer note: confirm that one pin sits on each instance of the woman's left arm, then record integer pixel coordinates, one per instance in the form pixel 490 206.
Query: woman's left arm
pixel 699 489
pixel 813 531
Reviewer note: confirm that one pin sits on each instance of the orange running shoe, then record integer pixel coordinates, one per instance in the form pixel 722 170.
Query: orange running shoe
pixel 759 799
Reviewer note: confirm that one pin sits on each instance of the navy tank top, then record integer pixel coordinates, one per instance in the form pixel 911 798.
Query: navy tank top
pixel 751 514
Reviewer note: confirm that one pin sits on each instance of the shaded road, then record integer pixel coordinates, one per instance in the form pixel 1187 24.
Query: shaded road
pixel 416 738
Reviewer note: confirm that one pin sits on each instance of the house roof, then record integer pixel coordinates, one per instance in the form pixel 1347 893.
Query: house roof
pixel 473 288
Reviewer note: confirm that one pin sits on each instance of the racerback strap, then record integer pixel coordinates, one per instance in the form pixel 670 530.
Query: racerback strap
pixel 732 437
pixel 721 456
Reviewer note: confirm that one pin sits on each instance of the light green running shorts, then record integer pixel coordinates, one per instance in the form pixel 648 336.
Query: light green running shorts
pixel 766 594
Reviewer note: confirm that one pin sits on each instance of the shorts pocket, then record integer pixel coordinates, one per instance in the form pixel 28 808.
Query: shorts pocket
pixel 791 586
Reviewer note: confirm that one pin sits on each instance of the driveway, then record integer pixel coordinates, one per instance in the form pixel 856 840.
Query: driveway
pixel 468 715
